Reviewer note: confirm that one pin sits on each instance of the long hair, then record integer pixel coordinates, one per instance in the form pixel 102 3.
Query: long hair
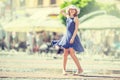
pixel 74 14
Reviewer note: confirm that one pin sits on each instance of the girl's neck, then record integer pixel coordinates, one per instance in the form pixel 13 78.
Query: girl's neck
pixel 71 16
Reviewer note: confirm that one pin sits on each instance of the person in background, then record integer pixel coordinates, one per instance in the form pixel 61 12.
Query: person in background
pixel 2 40
pixel 30 42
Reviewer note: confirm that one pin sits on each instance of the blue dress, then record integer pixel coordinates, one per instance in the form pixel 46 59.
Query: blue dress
pixel 65 40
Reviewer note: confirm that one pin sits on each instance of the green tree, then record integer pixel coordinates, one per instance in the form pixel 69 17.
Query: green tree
pixel 87 6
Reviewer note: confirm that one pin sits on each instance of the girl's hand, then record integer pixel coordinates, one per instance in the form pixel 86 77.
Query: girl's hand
pixel 63 12
pixel 71 40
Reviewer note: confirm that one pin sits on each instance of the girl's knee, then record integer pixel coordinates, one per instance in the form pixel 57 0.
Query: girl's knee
pixel 72 54
pixel 71 50
pixel 65 54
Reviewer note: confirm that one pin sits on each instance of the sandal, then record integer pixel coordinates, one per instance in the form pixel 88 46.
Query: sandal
pixel 78 72
pixel 64 72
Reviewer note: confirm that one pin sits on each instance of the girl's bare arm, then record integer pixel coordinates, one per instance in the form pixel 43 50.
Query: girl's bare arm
pixel 76 27
pixel 63 12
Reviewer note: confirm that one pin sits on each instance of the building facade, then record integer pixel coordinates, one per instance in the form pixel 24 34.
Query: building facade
pixel 9 7
pixel 36 3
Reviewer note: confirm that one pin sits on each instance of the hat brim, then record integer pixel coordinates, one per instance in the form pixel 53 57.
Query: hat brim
pixel 73 7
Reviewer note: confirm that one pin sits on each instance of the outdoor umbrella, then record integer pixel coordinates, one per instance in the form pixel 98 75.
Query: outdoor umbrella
pixel 53 25
pixel 42 21
pixel 37 22
pixel 101 22
pixel 19 25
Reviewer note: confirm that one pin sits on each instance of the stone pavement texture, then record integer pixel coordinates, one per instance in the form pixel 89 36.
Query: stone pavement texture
pixel 21 66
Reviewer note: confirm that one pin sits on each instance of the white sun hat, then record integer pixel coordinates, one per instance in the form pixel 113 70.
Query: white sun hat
pixel 73 7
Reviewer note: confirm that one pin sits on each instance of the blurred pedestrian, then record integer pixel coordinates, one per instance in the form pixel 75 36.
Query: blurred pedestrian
pixel 70 41
pixel 2 40
pixel 3 44
pixel 30 42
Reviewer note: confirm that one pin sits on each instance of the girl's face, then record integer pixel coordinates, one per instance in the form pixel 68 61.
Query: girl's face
pixel 72 11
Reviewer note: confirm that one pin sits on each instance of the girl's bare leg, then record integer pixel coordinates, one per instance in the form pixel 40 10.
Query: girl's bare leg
pixel 72 54
pixel 65 55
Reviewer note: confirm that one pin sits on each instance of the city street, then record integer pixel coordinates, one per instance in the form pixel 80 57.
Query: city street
pixel 21 66
pixel 35 33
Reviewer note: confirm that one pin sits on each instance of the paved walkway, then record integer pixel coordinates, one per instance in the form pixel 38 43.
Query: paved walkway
pixel 32 67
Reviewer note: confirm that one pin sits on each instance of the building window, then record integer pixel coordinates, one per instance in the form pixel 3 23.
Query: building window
pixel 52 1
pixel 40 2
pixel 22 3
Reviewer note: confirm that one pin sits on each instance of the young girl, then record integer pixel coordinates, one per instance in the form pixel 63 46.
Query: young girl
pixel 70 41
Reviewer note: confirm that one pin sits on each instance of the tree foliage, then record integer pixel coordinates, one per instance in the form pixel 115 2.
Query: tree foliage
pixel 87 6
